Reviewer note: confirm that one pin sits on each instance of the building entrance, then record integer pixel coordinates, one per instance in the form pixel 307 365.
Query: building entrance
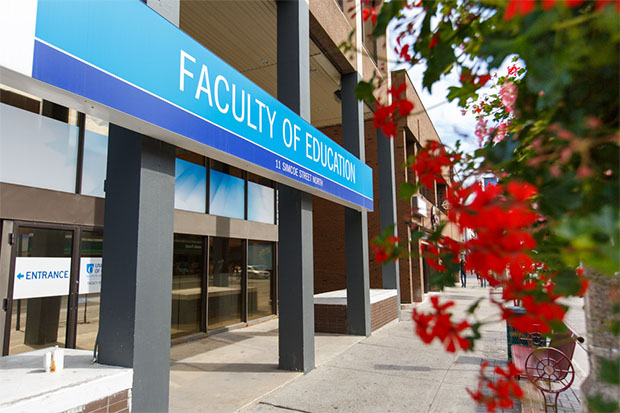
pixel 54 285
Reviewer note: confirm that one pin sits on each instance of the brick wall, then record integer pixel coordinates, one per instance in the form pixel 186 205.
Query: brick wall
pixel 328 237
pixel 383 312
pixel 328 217
pixel 330 318
pixel 328 226
pixel 117 403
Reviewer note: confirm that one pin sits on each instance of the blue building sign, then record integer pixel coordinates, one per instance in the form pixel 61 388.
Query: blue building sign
pixel 125 56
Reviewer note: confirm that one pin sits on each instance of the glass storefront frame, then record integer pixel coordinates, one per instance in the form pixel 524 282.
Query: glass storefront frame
pixel 72 297
pixel 245 318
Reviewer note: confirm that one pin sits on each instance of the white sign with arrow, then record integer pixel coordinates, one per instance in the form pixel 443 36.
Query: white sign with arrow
pixel 41 277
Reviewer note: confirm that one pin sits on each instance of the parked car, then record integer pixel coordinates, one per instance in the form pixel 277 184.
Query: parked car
pixel 258 271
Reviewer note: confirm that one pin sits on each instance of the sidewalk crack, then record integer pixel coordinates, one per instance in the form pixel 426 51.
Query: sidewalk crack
pixel 284 407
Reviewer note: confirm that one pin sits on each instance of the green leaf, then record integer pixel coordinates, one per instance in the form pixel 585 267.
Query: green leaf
pixel 598 404
pixel 566 282
pixel 462 93
pixel 472 308
pixel 388 11
pixel 363 91
pixel 417 235
pixel 500 152
pixel 610 371
pixel 406 190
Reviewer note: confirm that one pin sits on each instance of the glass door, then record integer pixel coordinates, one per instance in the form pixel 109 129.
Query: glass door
pixel 40 285
pixel 89 288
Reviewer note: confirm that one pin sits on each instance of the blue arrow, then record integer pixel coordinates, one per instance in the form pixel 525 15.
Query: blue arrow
pixel 20 276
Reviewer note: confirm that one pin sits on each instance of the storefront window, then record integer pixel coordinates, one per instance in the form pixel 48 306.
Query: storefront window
pixel 91 248
pixel 260 277
pixel 225 280
pixel 39 311
pixel 187 270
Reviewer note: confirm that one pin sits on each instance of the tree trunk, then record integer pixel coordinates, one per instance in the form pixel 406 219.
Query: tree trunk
pixel 602 294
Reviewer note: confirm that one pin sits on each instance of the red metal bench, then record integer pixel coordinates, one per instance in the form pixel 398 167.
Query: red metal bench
pixel 550 368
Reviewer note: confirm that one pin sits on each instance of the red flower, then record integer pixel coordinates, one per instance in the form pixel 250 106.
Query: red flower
pixel 433 41
pixel 584 283
pixel 404 107
pixel 438 325
pixel 573 3
pixel 521 191
pixel 430 163
pixel 513 70
pixel 497 393
pixel 515 7
pixel 380 254
pixel 385 117
pixel 404 53
pixel 370 13
pixel 482 80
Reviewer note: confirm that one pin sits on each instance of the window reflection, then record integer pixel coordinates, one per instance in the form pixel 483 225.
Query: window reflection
pixel 225 278
pixel 260 276
pixel 187 273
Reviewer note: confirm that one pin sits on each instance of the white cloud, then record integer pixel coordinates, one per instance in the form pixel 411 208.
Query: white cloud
pixel 450 123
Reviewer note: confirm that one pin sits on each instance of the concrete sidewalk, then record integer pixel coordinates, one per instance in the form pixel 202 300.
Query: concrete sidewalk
pixel 391 371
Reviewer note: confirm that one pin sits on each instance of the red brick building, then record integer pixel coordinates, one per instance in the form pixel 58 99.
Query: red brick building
pixel 329 243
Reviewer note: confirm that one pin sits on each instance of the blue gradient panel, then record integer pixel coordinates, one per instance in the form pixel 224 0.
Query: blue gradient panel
pixel 190 186
pixel 260 203
pixel 226 197
pixel 124 55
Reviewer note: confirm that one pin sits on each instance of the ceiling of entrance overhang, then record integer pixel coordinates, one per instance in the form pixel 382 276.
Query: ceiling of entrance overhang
pixel 243 33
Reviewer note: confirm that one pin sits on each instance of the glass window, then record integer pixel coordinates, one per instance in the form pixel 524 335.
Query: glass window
pixel 39 311
pixel 225 278
pixel 261 202
pixel 226 195
pixel 36 150
pixel 91 253
pixel 187 270
pixel 190 186
pixel 94 165
pixel 260 278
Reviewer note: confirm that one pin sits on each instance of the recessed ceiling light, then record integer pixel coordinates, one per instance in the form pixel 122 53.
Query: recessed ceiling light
pixel 265 62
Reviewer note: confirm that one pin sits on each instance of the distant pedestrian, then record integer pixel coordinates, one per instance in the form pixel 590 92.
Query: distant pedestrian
pixel 463 274
pixel 483 282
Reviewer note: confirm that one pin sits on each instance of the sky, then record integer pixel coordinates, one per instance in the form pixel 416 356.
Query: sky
pixel 447 117
pixel 450 123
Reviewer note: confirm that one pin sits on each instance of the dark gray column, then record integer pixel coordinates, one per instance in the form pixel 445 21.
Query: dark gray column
pixel 356 222
pixel 134 326
pixel 296 272
pixel 387 206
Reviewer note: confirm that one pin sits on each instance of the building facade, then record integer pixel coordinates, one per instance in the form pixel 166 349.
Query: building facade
pixel 160 169
pixel 423 212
